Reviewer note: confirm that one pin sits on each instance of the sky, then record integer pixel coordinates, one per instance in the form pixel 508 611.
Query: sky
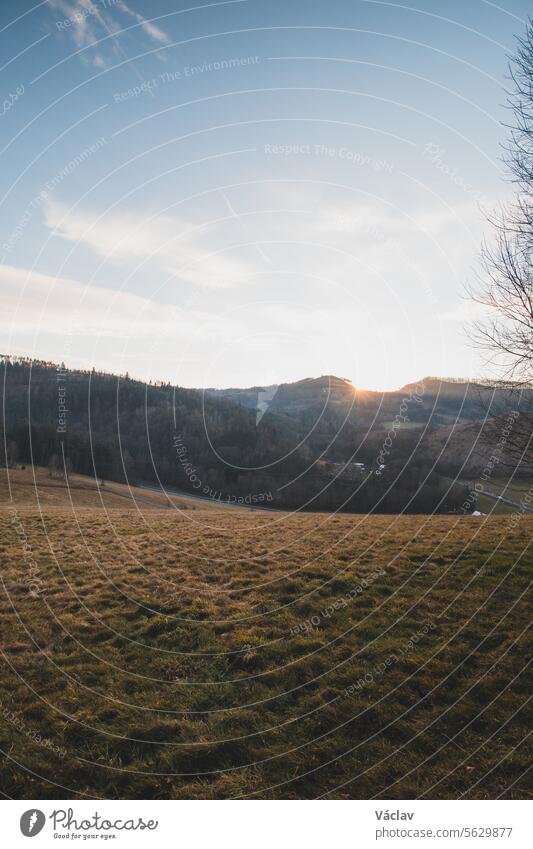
pixel 245 193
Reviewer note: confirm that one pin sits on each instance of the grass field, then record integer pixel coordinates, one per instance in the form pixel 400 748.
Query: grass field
pixel 36 488
pixel 516 490
pixel 489 506
pixel 513 488
pixel 184 652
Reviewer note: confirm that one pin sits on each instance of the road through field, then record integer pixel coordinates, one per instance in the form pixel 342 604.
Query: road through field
pixel 495 497
pixel 502 500
pixel 205 499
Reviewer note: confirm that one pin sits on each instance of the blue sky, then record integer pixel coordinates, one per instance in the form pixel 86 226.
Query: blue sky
pixel 249 192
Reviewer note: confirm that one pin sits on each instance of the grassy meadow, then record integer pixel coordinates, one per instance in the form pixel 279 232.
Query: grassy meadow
pixel 185 651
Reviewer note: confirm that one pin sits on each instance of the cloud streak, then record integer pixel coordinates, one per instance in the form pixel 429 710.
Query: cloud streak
pixel 181 251
pixel 89 23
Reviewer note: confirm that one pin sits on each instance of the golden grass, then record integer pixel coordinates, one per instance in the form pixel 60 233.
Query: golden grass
pixel 34 487
pixel 218 653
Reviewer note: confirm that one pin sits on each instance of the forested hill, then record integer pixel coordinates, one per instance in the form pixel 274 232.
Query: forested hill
pixel 438 401
pixel 300 453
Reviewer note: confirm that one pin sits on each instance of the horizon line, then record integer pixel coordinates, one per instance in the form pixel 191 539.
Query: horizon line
pixel 4 358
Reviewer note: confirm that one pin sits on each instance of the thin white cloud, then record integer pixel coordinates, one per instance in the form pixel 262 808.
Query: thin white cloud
pixel 341 277
pixel 87 22
pixel 170 244
pixel 149 28
pixel 34 302
pixel 66 320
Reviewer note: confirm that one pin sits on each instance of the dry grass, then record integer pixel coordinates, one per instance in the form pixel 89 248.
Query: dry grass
pixel 165 653
pixel 35 487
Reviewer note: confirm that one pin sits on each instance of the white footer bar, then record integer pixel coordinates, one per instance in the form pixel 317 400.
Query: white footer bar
pixel 268 824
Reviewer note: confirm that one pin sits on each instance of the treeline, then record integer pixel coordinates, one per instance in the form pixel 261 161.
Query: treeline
pixel 116 428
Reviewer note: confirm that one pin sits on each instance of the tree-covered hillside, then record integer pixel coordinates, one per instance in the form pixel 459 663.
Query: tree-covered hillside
pixel 301 454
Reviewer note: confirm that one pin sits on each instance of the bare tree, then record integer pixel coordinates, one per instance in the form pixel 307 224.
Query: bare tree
pixel 506 286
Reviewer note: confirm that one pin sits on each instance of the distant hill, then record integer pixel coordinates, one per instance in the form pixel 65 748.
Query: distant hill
pixel 292 399
pixel 430 400
pixel 316 444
